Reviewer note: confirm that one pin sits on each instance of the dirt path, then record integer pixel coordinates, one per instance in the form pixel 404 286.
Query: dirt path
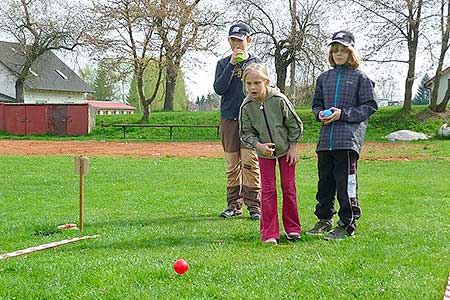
pixel 383 151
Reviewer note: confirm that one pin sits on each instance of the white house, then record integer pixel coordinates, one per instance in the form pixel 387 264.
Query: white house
pixel 443 84
pixel 49 81
pixel 111 108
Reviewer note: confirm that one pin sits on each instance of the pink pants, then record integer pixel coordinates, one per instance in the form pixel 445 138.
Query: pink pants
pixel 269 225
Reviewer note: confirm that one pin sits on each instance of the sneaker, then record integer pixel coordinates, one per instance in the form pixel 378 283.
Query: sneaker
pixel 293 236
pixel 255 215
pixel 322 226
pixel 230 212
pixel 338 234
pixel 272 241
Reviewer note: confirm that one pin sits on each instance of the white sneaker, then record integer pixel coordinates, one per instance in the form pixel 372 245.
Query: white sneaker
pixel 272 241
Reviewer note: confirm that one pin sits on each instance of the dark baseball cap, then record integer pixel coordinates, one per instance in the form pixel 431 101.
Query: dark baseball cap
pixel 345 38
pixel 240 31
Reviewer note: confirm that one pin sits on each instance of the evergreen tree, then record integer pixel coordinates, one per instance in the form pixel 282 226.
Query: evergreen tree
pixel 423 94
pixel 104 83
pixel 87 73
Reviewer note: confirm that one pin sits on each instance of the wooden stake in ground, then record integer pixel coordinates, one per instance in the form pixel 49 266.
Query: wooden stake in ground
pixel 46 246
pixel 81 168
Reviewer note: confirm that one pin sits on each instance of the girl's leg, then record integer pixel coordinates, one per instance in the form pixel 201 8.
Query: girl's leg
pixel 291 219
pixel 269 226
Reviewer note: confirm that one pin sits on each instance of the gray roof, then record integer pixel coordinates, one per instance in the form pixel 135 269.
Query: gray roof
pixel 52 73
pixel 6 98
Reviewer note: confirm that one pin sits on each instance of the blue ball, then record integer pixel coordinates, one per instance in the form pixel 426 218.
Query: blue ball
pixel 327 113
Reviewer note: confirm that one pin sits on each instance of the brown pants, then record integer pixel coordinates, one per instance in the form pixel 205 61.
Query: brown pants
pixel 242 170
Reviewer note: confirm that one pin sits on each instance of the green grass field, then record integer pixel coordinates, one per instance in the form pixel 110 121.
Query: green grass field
pixel 149 212
pixel 385 121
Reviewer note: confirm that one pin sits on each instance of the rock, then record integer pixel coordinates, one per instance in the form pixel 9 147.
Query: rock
pixel 444 131
pixel 406 135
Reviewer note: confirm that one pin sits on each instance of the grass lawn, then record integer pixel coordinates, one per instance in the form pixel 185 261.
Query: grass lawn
pixel 149 212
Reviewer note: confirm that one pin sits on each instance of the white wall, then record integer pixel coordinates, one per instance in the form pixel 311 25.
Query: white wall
pixel 38 96
pixel 7 82
pixel 443 86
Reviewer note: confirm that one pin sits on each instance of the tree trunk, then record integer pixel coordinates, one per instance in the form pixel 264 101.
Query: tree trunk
pixel 142 100
pixel 146 112
pixel 20 97
pixel 443 105
pixel 281 70
pixel 407 105
pixel 171 81
pixel 434 92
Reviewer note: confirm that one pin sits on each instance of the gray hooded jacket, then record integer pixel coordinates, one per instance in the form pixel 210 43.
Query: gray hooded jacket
pixel 272 120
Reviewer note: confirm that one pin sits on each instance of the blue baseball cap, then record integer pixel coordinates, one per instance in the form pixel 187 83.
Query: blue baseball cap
pixel 345 38
pixel 239 31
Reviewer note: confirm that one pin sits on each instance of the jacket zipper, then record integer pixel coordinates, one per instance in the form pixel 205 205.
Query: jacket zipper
pixel 336 98
pixel 261 107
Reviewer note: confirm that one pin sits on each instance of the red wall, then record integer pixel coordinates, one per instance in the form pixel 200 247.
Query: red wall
pixel 2 117
pixel 57 119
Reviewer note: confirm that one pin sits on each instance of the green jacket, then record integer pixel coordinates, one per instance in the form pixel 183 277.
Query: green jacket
pixel 272 120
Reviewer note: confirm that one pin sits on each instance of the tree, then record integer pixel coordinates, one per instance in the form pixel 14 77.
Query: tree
pixel 88 74
pixel 104 83
pixel 287 41
pixel 444 27
pixel 40 26
pixel 209 102
pixel 422 96
pixel 126 35
pixel 391 26
pixel 180 99
pixel 183 26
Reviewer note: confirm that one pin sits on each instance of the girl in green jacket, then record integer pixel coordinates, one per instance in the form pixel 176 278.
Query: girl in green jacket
pixel 269 124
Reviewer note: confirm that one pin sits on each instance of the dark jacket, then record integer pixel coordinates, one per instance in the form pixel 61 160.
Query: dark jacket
pixel 272 120
pixel 351 91
pixel 228 84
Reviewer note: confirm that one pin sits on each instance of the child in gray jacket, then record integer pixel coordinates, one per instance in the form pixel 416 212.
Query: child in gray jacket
pixel 269 124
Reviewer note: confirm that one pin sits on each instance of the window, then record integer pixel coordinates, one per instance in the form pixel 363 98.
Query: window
pixel 33 73
pixel 60 73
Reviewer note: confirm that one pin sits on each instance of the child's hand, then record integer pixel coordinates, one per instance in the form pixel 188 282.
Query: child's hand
pixel 234 57
pixel 292 155
pixel 266 148
pixel 334 117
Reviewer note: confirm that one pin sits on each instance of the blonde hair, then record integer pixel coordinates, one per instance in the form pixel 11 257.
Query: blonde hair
pixel 259 68
pixel 353 59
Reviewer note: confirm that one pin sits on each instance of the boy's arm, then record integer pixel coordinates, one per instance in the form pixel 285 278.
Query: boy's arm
pixel 223 77
pixel 317 104
pixel 248 134
pixel 292 121
pixel 367 104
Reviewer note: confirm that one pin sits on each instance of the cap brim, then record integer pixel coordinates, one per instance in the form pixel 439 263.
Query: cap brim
pixel 340 42
pixel 241 37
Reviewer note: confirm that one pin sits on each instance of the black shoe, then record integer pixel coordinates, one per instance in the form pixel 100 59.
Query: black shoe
pixel 230 212
pixel 322 226
pixel 255 215
pixel 338 234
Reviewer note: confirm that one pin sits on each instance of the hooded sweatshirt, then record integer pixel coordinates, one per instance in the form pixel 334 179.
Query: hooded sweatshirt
pixel 272 120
